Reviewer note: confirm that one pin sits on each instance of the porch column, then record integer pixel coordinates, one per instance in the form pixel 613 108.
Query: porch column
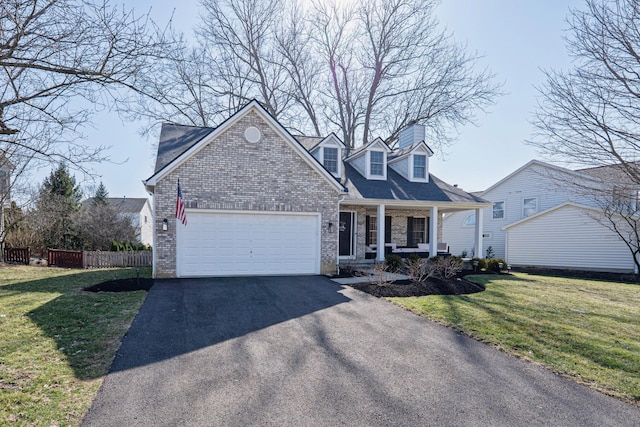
pixel 380 242
pixel 479 250
pixel 433 231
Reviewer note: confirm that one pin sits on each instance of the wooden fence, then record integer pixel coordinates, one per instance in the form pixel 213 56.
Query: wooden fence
pixel 99 259
pixel 64 258
pixel 19 255
pixel 104 259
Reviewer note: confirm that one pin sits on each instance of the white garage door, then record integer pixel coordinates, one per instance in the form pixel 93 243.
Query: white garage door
pixel 248 243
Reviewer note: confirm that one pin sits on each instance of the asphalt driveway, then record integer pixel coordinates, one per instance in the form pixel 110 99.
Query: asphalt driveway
pixel 304 351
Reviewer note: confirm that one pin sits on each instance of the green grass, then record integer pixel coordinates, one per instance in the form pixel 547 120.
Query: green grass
pixel 57 341
pixel 584 329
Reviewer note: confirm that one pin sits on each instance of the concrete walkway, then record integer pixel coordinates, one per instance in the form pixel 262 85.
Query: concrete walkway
pixel 368 277
pixel 305 351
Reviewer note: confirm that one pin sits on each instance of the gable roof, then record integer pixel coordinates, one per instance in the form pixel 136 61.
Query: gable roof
pixel 398 188
pixel 183 143
pixel 357 152
pixel 552 209
pixel 541 164
pixel 400 154
pixel 123 204
pixel 175 140
pixel 611 173
pixel 309 142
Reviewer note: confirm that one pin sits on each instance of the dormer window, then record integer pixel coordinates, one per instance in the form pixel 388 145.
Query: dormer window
pixel 419 166
pixel 376 164
pixel 330 159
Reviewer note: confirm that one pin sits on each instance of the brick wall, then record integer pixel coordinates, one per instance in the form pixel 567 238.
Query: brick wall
pixel 233 174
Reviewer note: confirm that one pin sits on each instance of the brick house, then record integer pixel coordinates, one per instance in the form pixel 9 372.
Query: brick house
pixel 261 201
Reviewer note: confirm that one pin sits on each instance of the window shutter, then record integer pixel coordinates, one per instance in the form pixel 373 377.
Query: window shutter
pixel 409 231
pixel 387 229
pixel 427 226
pixel 367 231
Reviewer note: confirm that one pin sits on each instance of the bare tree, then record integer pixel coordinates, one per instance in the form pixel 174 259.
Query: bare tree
pixel 590 115
pixel 360 69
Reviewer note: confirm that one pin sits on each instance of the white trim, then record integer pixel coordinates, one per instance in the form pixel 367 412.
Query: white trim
pixel 417 204
pixel 362 150
pixel 504 210
pixel 371 176
pixel 412 176
pixel 522 215
pixel 544 165
pixel 576 205
pixel 232 120
pixel 354 236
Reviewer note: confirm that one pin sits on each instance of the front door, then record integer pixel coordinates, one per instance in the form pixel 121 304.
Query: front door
pixel 345 236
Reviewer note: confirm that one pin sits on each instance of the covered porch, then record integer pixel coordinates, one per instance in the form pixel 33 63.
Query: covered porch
pixel 369 230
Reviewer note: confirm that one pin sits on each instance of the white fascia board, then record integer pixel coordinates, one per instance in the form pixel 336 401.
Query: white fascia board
pixel 277 127
pixel 416 149
pixel 547 211
pixel 544 165
pixel 414 203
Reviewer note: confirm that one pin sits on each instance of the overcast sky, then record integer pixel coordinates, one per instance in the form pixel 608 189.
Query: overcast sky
pixel 517 38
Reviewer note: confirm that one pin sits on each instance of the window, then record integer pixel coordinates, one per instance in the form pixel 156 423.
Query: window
pixel 529 206
pixel 377 163
pixel 498 210
pixel 373 230
pixel 331 159
pixel 416 231
pixel 470 221
pixel 419 166
pixel 145 219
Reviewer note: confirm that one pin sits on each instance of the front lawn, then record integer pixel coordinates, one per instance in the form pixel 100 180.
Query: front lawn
pixel 584 329
pixel 57 341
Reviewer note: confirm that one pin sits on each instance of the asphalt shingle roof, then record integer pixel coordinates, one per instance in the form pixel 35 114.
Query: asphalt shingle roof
pixel 397 187
pixel 175 140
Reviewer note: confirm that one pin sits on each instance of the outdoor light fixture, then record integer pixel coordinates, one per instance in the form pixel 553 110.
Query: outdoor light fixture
pixel 165 224
pixel 330 226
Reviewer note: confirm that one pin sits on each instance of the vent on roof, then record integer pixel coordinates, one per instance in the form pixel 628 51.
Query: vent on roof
pixel 414 132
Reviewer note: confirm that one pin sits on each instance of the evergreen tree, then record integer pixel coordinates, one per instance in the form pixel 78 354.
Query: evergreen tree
pixel 101 197
pixel 58 201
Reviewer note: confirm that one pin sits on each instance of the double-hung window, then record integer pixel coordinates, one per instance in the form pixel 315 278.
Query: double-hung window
pixel 373 230
pixel 376 163
pixel 418 231
pixel 498 210
pixel 419 166
pixel 331 159
pixel 529 206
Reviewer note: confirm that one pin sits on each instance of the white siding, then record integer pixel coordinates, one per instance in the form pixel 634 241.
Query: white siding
pixel 146 224
pixel 535 180
pixel 567 237
pixel 402 167
pixel 360 164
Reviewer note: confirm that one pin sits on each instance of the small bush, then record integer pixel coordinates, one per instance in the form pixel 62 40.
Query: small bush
pixel 416 269
pixel 494 264
pixel 443 267
pixel 393 262
pixel 413 258
pixel 482 263
pixel 490 252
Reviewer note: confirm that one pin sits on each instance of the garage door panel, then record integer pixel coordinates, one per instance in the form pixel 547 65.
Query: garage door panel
pixel 247 243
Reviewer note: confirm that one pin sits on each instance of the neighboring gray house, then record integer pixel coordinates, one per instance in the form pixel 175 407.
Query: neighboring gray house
pixel 545 216
pixel 141 215
pixel 261 201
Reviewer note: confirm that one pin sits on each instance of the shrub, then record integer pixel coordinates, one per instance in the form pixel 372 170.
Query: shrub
pixel 482 263
pixel 494 264
pixel 416 269
pixel 443 267
pixel 413 258
pixel 490 252
pixel 393 262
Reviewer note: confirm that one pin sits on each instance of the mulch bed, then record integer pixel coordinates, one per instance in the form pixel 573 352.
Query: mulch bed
pixel 406 288
pixel 122 285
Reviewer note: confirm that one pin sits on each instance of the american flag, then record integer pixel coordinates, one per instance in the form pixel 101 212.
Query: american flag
pixel 180 213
